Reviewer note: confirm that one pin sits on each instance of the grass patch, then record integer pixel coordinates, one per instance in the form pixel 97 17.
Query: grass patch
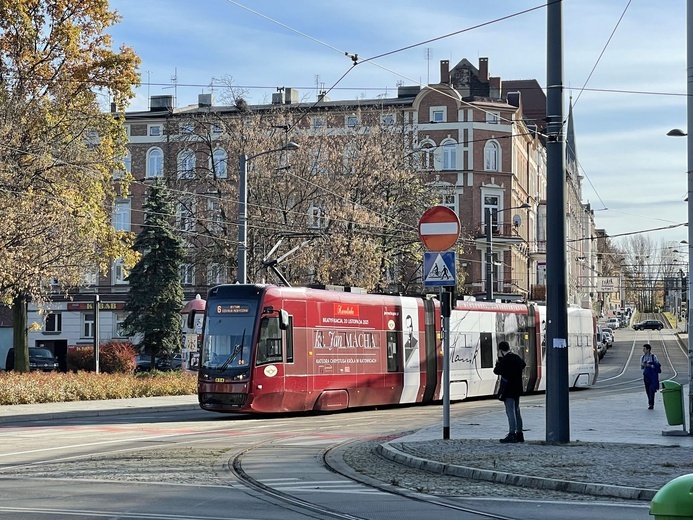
pixel 55 387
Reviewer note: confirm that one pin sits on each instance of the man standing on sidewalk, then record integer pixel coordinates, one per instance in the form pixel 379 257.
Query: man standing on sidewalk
pixel 510 366
pixel 650 373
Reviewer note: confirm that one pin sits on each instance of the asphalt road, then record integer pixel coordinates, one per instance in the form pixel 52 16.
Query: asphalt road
pixel 197 465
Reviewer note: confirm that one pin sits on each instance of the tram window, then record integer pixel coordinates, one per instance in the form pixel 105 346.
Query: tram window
pixel 392 352
pixel 269 348
pixel 486 350
pixel 290 341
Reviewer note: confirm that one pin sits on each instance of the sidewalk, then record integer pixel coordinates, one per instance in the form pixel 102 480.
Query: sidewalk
pixel 616 446
pixel 616 449
pixel 48 411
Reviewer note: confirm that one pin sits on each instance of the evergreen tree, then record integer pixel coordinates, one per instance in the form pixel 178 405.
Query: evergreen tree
pixel 156 295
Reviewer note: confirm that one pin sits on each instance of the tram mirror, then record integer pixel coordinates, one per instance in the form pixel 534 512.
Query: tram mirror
pixel 283 319
pixel 191 319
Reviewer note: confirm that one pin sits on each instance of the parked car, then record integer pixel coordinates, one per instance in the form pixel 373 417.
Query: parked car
pixel 601 344
pixel 613 323
pixel 143 363
pixel 608 338
pixel 39 359
pixel 167 363
pixel 649 324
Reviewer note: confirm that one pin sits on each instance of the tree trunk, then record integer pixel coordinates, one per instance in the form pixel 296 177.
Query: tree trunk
pixel 19 342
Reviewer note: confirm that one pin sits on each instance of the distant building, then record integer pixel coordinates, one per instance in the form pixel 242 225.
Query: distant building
pixel 480 144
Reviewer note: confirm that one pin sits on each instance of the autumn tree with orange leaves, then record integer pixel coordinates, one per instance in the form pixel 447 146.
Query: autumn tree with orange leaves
pixel 58 147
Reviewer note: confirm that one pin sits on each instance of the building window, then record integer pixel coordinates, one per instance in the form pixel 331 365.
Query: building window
pixel 186 215
pixel 90 276
pixel 127 167
pixel 493 117
pixel 214 215
pixel 121 215
pixel 320 160
pixel 186 164
pixel 316 217
pixel 449 155
pixel 216 128
pixel 54 322
pixel 87 324
pixel 187 274
pixel 219 163
pixel 155 130
pixel 155 163
pixel 187 128
pixel 448 200
pixel 491 202
pixel 387 120
pixel 216 274
pixel 438 114
pixel 491 158
pixel 318 123
pixel 352 121
pixel 428 156
pixel 119 318
pixel 119 272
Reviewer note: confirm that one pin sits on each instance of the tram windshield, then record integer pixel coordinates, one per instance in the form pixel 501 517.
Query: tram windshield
pixel 228 337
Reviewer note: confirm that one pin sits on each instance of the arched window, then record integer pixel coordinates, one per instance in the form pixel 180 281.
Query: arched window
pixel 491 156
pixel 428 156
pixel 450 155
pixel 219 162
pixel 186 164
pixel 155 163
pixel 127 166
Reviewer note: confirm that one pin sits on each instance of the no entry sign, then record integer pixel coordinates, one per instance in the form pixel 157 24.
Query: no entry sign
pixel 439 228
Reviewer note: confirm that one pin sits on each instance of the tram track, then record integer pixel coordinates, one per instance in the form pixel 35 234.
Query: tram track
pixel 322 457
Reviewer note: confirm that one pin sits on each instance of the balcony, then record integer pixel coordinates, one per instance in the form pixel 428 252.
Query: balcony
pixel 501 233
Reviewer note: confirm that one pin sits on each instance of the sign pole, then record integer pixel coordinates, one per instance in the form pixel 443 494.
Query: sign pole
pixel 439 230
pixel 446 297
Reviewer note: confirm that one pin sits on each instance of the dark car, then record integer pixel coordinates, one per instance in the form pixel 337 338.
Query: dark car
pixel 39 359
pixel 143 363
pixel 649 324
pixel 167 363
pixel 164 364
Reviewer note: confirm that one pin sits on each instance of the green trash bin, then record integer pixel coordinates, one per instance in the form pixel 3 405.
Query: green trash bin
pixel 672 394
pixel 675 500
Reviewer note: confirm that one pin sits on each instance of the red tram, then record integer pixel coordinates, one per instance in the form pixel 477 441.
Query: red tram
pixel 269 349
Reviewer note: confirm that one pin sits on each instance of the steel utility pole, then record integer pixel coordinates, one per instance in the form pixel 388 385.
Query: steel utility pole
pixel 689 173
pixel 489 255
pixel 243 161
pixel 557 402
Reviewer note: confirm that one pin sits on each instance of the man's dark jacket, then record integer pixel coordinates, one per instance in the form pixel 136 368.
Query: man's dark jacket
pixel 510 367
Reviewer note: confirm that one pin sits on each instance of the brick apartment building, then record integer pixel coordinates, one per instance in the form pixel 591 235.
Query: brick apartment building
pixel 480 144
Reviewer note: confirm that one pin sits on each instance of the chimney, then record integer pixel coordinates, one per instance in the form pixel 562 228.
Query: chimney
pixel 160 103
pixel 494 87
pixel 204 100
pixel 445 71
pixel 483 69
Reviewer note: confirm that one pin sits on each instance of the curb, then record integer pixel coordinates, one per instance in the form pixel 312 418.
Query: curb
pixel 104 412
pixel 390 452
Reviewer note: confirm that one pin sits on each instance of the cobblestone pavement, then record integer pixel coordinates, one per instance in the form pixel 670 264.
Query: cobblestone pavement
pixel 646 467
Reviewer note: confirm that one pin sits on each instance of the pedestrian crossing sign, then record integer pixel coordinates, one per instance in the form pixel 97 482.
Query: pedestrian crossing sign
pixel 439 268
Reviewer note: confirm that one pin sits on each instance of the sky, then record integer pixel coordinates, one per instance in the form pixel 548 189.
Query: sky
pixel 624 66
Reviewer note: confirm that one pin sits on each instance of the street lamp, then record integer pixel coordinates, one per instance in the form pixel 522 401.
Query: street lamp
pixel 689 173
pixel 489 246
pixel 243 161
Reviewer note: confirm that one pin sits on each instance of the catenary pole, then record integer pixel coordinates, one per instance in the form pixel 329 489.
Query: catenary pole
pixel 243 161
pixel 689 174
pixel 489 255
pixel 557 402
pixel 242 217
